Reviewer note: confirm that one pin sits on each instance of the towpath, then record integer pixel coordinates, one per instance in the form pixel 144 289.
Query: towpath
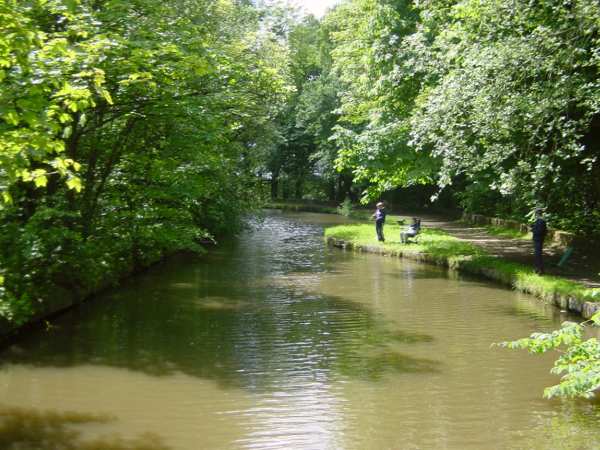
pixel 582 266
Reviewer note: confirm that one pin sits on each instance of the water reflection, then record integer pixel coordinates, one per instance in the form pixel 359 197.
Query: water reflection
pixel 233 322
pixel 575 428
pixel 31 429
pixel 273 341
pixel 228 339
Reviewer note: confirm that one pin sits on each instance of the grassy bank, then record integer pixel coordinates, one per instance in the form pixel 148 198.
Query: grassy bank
pixel 437 247
pixel 302 207
pixel 433 242
pixel 351 211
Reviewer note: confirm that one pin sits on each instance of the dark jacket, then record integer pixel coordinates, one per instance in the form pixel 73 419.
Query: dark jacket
pixel 380 215
pixel 539 229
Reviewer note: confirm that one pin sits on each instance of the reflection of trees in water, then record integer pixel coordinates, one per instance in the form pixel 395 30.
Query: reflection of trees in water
pixel 30 429
pixel 573 427
pixel 249 339
pixel 534 310
pixel 233 319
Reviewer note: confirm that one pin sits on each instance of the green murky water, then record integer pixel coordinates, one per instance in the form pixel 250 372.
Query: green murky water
pixel 275 341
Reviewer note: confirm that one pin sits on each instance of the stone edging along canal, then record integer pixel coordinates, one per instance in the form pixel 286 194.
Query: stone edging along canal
pixel 569 301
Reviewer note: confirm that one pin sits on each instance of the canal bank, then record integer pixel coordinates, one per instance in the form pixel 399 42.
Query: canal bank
pixel 63 299
pixel 438 247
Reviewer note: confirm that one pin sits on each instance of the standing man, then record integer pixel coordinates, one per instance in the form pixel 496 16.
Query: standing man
pixel 538 230
pixel 379 216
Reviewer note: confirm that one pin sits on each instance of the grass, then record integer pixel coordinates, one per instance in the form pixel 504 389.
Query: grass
pixel 507 232
pixel 438 246
pixel 298 206
pixel 431 241
pixel 524 278
pixel 304 207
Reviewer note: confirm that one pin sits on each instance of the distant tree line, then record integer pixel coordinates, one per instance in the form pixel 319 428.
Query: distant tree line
pixel 493 104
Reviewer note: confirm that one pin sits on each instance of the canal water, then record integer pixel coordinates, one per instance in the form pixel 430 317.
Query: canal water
pixel 275 341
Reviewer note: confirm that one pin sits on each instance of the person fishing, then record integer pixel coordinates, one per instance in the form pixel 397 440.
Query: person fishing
pixel 412 230
pixel 538 231
pixel 379 216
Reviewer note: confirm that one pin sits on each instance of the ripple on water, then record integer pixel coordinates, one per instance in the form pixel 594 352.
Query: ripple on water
pixel 275 341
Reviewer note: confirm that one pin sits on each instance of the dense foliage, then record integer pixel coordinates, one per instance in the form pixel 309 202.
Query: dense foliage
pixel 302 164
pixel 129 130
pixel 495 102
pixel 513 104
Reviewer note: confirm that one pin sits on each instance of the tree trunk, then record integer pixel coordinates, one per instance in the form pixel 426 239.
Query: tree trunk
pixel 298 188
pixel 274 185
pixel 331 193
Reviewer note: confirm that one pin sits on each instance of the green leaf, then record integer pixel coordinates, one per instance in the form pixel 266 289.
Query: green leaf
pixel 106 95
pixel 12 118
pixel 7 198
pixel 64 118
pixel 67 132
pixel 40 181
pixel 26 175
pixel 74 183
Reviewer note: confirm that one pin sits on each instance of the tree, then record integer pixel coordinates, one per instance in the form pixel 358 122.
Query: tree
pixel 291 159
pixel 512 105
pixel 131 132
pixel 373 132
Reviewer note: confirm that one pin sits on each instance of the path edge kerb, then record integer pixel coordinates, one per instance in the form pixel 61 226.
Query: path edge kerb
pixel 569 302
